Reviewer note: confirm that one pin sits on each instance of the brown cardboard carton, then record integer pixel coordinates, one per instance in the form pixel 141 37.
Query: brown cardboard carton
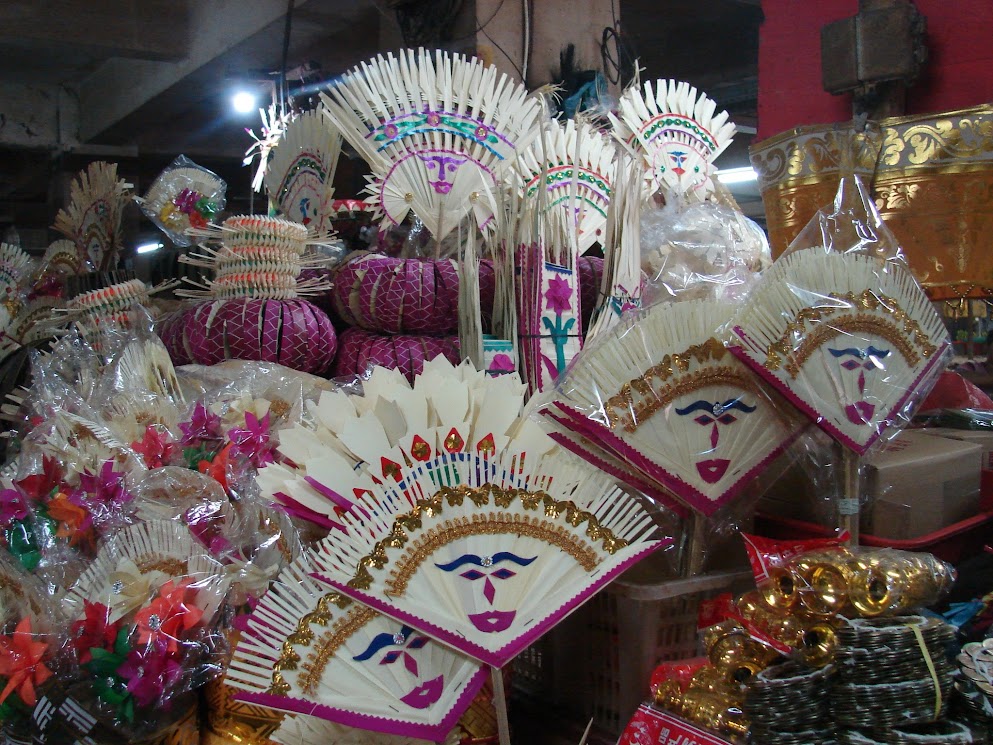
pixel 918 483
pixel 982 437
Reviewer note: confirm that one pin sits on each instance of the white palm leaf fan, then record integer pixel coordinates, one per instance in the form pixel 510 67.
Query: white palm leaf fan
pixel 310 651
pixel 846 338
pixel 330 457
pixel 131 567
pixel 677 132
pixel 622 281
pixel 575 166
pixel 92 220
pixel 305 730
pixel 14 264
pixel 483 553
pixel 438 131
pixel 662 393
pixel 300 174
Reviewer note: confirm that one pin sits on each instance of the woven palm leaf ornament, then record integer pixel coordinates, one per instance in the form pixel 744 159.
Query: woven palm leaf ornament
pixel 660 392
pixel 438 131
pixel 313 651
pixel 846 337
pixel 92 219
pixel 346 442
pixel 300 173
pixel 677 132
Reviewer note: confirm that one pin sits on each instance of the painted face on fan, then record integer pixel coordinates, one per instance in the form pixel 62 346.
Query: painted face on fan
pixel 715 415
pixel 400 648
pixel 858 367
pixel 487 568
pixel 443 167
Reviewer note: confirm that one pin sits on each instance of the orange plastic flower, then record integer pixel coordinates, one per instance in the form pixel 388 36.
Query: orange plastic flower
pixel 168 615
pixel 75 520
pixel 217 469
pixel 21 665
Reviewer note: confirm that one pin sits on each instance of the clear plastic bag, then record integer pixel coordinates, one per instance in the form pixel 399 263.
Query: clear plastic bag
pixel 184 195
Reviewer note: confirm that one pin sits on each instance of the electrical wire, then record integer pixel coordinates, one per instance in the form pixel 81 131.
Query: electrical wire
pixel 286 53
pixel 527 40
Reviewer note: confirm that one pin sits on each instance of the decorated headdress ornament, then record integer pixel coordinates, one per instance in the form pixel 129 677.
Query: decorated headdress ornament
pixel 677 132
pixel 438 131
pixel 300 174
pixel 660 392
pixel 92 220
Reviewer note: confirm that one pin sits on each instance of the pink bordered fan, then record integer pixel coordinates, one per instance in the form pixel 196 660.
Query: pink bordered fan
pixel 300 173
pixel 848 338
pixel 312 651
pixel 92 220
pixel 305 730
pixel 660 392
pixel 438 130
pixel 677 132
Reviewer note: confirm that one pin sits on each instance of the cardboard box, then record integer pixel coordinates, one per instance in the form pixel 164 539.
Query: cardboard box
pixel 982 437
pixel 792 493
pixel 919 483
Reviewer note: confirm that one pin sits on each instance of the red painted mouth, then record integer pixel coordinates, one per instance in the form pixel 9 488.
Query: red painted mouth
pixel 712 470
pixel 494 621
pixel 860 412
pixel 425 694
pixel 441 187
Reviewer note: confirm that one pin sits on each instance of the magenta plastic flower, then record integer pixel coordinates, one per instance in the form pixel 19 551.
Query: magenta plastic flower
pixel 102 494
pixel 156 447
pixel 203 425
pixel 253 440
pixel 12 507
pixel 558 295
pixel 151 673
pixel 503 363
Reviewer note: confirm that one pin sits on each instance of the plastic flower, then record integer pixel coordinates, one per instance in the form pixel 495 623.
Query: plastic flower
pixel 93 631
pixel 74 520
pixel 151 674
pixel 217 467
pixel 12 507
pixel 502 363
pixel 558 295
pixel 156 447
pixel 203 425
pixel 129 588
pixel 40 485
pixel 253 440
pixel 21 665
pixel 168 616
pixel 110 687
pixel 103 494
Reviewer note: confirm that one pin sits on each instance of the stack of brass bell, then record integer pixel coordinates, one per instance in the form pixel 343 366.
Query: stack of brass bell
pixel 788 704
pixel 932 733
pixel 973 694
pixel 892 672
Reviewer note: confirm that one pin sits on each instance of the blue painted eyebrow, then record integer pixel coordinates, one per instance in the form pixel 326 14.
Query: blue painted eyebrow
pixel 474 560
pixel 861 354
pixel 380 642
pixel 708 406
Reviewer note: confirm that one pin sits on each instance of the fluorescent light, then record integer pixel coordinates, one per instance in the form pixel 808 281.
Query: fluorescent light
pixel 243 102
pixel 147 248
pixel 737 175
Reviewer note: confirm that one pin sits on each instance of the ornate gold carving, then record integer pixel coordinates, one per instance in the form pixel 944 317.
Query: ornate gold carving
pixel 303 636
pixel 170 567
pixel 329 643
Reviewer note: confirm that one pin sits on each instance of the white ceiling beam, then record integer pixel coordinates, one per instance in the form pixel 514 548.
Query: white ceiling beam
pixel 119 87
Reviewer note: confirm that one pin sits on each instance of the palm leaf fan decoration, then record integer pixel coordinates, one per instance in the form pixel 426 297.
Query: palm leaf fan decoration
pixel 847 338
pixel 300 173
pixel 92 220
pixel 318 653
pixel 677 132
pixel 305 730
pixel 482 554
pixel 660 392
pixel 14 265
pixel 345 441
pixel 438 130
pixel 574 163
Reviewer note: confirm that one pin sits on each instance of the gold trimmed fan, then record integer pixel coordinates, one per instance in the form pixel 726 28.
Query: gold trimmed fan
pixel 92 220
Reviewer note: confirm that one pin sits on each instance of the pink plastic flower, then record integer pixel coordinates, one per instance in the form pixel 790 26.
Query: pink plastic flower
pixel 558 295
pixel 151 674
pixel 156 447
pixel 12 507
pixel 203 425
pixel 104 493
pixel 253 440
pixel 93 631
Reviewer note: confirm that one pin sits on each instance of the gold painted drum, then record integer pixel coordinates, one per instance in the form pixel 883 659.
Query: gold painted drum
pixel 931 178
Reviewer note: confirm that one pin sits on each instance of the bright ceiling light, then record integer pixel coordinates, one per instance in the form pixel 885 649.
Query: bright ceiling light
pixel 737 175
pixel 147 248
pixel 243 102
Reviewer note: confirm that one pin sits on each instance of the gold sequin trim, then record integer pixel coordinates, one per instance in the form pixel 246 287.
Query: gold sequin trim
pixel 902 330
pixel 481 524
pixel 171 567
pixel 303 636
pixel 850 325
pixel 329 643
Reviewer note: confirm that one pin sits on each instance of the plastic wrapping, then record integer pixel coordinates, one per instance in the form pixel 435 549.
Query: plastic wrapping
pixel 184 195
pixel 703 250
pixel 840 326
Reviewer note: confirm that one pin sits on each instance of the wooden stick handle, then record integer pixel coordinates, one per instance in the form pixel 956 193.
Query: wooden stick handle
pixel 500 704
pixel 848 505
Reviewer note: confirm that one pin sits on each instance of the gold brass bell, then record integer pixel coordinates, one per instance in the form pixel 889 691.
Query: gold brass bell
pixel 780 592
pixel 818 643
